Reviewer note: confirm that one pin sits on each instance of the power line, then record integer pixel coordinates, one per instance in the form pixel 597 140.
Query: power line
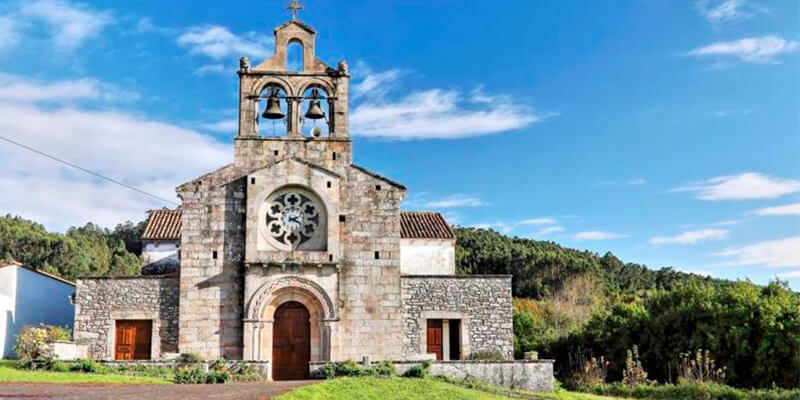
pixel 90 172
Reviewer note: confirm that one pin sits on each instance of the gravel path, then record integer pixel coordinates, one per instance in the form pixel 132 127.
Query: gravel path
pixel 233 391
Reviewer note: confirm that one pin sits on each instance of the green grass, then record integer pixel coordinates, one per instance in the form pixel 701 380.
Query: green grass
pixel 406 389
pixel 10 374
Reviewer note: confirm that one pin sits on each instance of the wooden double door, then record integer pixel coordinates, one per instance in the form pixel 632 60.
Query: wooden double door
pixel 291 342
pixel 133 340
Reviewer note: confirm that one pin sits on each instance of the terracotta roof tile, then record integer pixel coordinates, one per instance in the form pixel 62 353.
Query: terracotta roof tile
pixel 424 225
pixel 163 224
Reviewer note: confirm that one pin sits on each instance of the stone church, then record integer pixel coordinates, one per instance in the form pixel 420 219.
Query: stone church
pixel 293 254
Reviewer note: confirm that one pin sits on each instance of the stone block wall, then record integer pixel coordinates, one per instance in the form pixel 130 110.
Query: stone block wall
pixel 482 303
pixel 369 292
pixel 212 254
pixel 99 302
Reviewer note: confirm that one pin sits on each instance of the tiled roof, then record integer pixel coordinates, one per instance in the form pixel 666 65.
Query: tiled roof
pixel 424 225
pixel 163 224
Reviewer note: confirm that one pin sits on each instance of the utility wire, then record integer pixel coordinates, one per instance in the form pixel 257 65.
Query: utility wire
pixel 78 167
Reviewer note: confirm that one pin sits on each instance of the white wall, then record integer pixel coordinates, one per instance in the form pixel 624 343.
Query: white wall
pixel 32 299
pixel 161 250
pixel 427 257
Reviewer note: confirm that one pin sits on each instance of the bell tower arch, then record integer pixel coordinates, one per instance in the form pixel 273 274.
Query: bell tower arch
pixel 308 101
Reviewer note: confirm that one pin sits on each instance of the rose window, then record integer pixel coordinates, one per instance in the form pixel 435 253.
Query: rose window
pixel 294 217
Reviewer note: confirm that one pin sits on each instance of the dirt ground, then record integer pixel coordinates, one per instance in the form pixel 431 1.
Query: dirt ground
pixel 234 391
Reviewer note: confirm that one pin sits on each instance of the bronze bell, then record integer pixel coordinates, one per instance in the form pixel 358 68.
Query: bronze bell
pixel 314 110
pixel 273 110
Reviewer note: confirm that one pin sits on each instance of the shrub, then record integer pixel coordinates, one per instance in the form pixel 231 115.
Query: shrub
pixel 383 369
pixel 634 374
pixel 144 370
pixel 189 376
pixel 60 366
pixel 486 355
pixel 690 391
pixel 701 368
pixel 217 377
pixel 340 369
pixel 419 371
pixel 190 358
pixel 35 364
pixel 593 371
pixel 32 343
pixel 89 366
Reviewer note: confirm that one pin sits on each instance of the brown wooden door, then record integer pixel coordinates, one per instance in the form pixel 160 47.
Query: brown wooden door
pixel 435 338
pixel 291 342
pixel 133 340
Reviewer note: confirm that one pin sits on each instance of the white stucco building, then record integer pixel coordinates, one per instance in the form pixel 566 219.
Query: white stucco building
pixel 31 297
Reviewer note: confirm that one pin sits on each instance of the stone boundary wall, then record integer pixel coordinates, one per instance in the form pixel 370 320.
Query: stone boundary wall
pixel 100 302
pixel 69 351
pixel 481 302
pixel 532 375
pixel 261 367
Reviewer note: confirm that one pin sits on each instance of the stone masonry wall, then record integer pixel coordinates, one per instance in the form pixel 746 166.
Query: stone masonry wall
pixel 369 292
pixel 101 301
pixel 482 303
pixel 212 254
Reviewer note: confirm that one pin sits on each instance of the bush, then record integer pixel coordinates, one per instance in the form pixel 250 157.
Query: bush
pixel 190 358
pixel 60 366
pixel 91 367
pixel 419 371
pixel 383 369
pixel 37 364
pixel 634 374
pixel 212 377
pixel 144 370
pixel 486 355
pixel 340 369
pixel 189 376
pixel 690 391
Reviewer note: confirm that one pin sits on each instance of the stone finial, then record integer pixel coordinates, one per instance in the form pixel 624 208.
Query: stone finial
pixel 343 66
pixel 244 64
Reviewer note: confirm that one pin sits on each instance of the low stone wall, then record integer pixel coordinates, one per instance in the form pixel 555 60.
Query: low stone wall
pixel 69 351
pixel 481 302
pixel 532 375
pixel 261 367
pixel 100 302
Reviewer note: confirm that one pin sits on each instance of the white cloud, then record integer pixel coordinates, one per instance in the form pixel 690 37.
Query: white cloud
pixel 788 209
pixel 752 50
pixel 728 11
pixel 597 235
pixel 212 69
pixel 9 32
pixel 537 221
pixel 224 126
pixel 452 201
pixel 218 43
pixel 692 237
pixel 746 186
pixel 630 182
pixel 151 155
pixel 775 253
pixel 791 274
pixel 433 113
pixel 549 230
pixel 70 24
pixel 18 89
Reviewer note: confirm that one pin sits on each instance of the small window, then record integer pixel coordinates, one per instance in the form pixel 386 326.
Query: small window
pixel 214 255
pixel 329 183
pixel 177 245
pixel 378 187
pixel 342 218
pixel 377 255
pixel 330 257
pixel 252 181
pixel 334 155
pixel 275 152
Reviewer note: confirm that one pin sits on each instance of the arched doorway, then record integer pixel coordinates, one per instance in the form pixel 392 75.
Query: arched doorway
pixel 291 342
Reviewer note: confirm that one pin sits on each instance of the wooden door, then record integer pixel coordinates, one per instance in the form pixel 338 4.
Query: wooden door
pixel 291 342
pixel 435 338
pixel 133 340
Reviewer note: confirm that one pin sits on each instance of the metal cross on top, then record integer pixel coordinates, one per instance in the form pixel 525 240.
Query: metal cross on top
pixel 294 6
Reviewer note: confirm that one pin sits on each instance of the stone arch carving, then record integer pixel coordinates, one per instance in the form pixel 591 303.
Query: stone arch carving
pixel 262 83
pixel 308 83
pixel 264 295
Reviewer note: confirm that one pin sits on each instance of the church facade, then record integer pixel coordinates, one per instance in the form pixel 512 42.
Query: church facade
pixel 293 254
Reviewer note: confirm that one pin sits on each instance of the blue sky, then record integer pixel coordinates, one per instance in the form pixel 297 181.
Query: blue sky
pixel 664 131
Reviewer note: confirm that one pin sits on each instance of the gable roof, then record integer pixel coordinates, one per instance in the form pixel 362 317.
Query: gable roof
pixel 13 263
pixel 424 225
pixel 378 176
pixel 163 224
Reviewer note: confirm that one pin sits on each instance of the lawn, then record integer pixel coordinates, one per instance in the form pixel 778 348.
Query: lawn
pixel 406 389
pixel 10 374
